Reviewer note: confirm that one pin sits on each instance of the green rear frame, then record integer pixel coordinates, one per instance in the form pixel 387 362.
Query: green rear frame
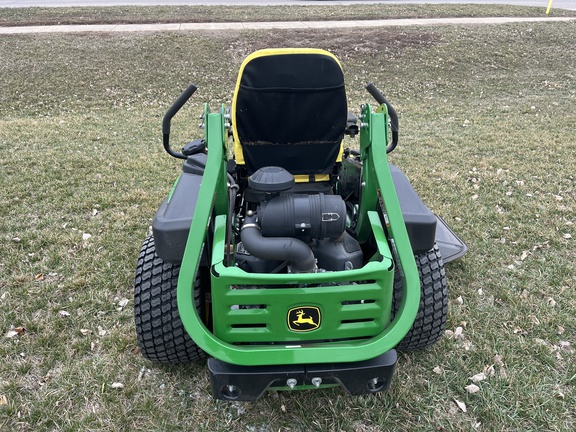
pixel 355 316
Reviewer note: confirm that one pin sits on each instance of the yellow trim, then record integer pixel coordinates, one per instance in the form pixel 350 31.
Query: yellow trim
pixel 340 153
pixel 239 155
pixel 303 178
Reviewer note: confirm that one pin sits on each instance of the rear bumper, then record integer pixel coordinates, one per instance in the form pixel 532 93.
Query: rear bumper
pixel 248 383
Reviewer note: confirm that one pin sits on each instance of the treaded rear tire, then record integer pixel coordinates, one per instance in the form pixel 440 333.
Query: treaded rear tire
pixel 161 335
pixel 430 321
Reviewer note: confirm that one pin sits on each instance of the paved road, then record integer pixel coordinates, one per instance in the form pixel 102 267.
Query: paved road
pixel 560 4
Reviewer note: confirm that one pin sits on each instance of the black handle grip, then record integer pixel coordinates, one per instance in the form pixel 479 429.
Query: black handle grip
pixel 179 103
pixel 379 97
pixel 376 94
pixel 182 99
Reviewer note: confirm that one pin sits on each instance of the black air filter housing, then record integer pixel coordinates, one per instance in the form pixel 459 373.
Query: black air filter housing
pixel 305 217
pixel 271 179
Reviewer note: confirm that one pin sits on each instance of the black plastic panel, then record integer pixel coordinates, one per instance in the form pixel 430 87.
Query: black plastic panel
pixel 248 383
pixel 171 224
pixel 420 221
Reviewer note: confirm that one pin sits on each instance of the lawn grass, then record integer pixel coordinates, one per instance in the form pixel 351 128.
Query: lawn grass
pixel 487 138
pixel 185 14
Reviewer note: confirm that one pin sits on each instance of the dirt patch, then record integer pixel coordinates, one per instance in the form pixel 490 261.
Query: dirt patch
pixel 344 43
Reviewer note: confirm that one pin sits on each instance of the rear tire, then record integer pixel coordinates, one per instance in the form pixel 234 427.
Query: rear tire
pixel 430 321
pixel 161 335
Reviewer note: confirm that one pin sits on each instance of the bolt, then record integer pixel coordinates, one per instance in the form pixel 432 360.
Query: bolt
pixel 376 384
pixel 317 381
pixel 291 382
pixel 230 392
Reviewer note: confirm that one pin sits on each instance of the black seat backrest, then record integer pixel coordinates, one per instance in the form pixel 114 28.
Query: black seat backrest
pixel 289 110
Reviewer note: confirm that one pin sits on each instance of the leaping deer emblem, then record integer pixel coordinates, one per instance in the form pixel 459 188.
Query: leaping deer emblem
pixel 302 320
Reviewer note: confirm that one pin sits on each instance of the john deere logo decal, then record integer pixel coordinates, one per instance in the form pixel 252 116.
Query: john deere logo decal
pixel 304 318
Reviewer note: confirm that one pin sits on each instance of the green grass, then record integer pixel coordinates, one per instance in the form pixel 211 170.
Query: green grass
pixel 487 138
pixel 163 14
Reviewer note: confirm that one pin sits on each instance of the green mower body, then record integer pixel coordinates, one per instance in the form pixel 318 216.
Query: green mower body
pixel 291 272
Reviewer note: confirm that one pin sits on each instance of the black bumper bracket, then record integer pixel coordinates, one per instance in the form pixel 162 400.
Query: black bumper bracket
pixel 248 383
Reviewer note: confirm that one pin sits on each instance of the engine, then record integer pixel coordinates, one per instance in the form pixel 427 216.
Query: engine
pixel 286 228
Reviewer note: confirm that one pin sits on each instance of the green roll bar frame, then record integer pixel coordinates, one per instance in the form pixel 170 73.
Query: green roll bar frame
pixel 379 216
